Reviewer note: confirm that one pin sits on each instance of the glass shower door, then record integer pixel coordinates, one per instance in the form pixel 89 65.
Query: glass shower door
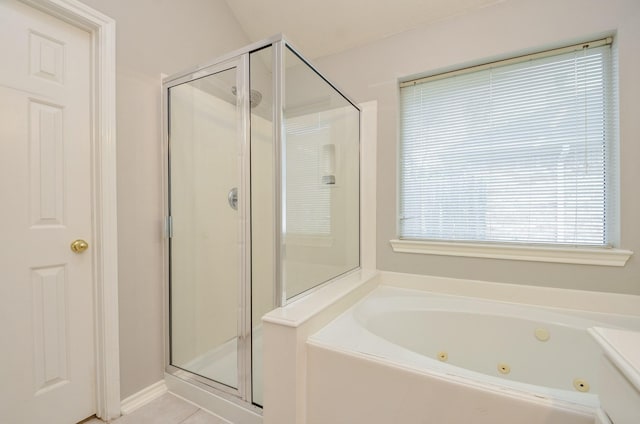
pixel 206 244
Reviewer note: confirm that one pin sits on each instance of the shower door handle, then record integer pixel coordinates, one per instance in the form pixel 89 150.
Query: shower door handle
pixel 232 198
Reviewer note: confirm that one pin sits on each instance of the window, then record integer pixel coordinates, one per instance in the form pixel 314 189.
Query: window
pixel 308 206
pixel 518 151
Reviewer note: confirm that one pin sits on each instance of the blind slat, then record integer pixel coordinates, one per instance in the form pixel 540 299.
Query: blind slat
pixel 515 153
pixel 308 205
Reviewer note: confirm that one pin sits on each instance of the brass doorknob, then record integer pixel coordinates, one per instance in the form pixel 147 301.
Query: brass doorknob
pixel 79 246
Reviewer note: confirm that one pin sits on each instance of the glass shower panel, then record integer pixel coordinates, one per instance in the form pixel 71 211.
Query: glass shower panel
pixel 262 205
pixel 205 247
pixel 320 180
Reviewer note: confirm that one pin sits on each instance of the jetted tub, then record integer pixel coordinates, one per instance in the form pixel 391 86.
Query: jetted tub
pixel 416 357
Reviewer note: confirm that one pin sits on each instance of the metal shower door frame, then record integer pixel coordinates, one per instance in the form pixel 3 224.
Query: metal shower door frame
pixel 243 393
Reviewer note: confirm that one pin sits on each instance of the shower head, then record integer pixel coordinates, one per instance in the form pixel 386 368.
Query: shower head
pixel 255 99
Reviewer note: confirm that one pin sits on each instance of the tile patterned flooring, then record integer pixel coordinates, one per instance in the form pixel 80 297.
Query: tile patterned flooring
pixel 167 409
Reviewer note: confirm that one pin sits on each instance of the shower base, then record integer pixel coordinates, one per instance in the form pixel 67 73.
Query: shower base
pixel 221 364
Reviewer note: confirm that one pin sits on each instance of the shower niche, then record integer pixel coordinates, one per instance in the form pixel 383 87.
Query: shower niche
pixel 262 206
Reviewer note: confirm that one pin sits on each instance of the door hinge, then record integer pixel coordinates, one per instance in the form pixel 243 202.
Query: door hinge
pixel 168 226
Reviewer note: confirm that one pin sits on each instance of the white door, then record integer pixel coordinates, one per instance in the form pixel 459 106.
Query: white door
pixel 47 361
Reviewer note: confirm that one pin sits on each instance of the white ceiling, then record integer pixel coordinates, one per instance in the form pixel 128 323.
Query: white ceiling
pixel 323 27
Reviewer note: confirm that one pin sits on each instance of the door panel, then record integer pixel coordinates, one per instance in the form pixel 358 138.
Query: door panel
pixel 46 291
pixel 205 248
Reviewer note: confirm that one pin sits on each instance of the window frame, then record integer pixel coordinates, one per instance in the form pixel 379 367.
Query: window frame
pixel 557 253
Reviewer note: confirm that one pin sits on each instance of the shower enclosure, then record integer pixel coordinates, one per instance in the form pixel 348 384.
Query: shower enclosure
pixel 262 177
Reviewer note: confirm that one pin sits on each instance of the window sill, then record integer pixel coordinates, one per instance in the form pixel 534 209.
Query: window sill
pixel 566 255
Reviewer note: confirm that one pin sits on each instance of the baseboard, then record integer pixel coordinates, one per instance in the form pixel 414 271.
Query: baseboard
pixel 143 397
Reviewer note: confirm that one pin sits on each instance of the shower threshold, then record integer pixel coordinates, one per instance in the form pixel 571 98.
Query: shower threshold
pixel 221 364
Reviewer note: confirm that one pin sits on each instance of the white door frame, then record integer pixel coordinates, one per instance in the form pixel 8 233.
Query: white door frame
pixel 103 148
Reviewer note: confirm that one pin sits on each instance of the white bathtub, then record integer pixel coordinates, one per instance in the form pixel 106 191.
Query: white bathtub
pixel 409 356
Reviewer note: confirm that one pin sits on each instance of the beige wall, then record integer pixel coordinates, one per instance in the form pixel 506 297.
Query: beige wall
pixel 506 29
pixel 153 37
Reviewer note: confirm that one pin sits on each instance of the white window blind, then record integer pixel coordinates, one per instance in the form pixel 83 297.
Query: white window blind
pixel 308 200
pixel 511 152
